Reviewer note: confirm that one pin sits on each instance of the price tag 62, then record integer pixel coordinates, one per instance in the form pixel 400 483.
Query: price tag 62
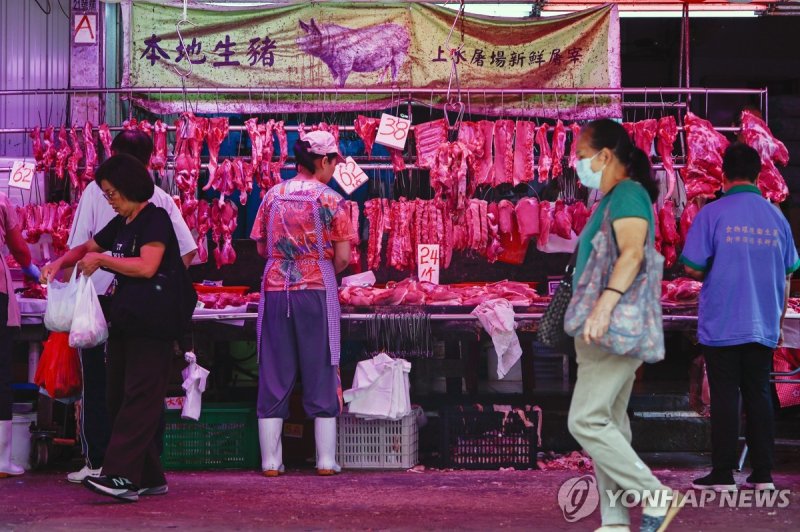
pixel 428 263
pixel 393 132
pixel 349 175
pixel 21 175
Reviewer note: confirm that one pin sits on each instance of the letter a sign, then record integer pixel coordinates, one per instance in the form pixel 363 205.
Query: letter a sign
pixel 85 29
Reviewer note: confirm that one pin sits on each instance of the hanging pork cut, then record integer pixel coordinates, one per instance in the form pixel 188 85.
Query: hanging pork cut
pixel 575 128
pixel 483 167
pixel 757 135
pixel 105 139
pixel 158 161
pixel 91 157
pixel 471 135
pixel 580 216
pixel 63 153
pixel 527 214
pixel 644 132
pixel 506 216
pixel 218 130
pixel 545 157
pixel 667 133
pixel 670 238
pixel 74 159
pixel 38 147
pixel 687 218
pixel 503 152
pixel 523 152
pixel 545 223
pixel 449 174
pixel 242 173
pixel 202 225
pixel 562 220
pixel 559 145
pixel 429 136
pixel 223 224
pixel 367 128
pixel 702 176
pixel 49 142
pixel 351 207
pixel 377 213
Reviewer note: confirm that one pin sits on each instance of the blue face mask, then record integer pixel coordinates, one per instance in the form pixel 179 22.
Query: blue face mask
pixel 588 177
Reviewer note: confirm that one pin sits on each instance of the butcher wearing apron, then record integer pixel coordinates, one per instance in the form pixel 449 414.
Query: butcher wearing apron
pixel 299 330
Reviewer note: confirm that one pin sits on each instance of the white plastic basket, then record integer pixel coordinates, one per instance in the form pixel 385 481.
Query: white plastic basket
pixel 377 443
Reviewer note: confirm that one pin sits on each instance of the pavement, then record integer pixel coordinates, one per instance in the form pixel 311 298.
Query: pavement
pixel 383 500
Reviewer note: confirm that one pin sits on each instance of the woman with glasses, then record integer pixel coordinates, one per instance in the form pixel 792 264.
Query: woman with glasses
pixel 151 282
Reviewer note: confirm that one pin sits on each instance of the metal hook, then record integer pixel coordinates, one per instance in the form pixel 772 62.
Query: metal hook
pixel 183 20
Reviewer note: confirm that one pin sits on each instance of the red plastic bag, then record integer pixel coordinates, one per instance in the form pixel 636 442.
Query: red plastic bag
pixel 59 369
pixel 785 360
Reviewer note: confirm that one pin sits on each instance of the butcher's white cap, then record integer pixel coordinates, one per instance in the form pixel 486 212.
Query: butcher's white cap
pixel 322 143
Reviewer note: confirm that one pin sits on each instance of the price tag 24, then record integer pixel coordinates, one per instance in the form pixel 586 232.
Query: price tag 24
pixel 393 132
pixel 22 175
pixel 349 175
pixel 428 263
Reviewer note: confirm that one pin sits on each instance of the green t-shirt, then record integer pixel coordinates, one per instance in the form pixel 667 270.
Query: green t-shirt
pixel 628 199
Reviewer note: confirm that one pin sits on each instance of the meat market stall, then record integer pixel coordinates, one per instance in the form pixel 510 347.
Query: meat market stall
pixel 461 153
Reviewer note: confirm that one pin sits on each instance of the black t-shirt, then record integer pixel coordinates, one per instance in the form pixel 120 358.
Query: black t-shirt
pixel 152 225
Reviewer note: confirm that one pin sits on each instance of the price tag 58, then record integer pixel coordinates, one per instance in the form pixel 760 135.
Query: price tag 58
pixel 428 263
pixel 349 176
pixel 393 132
pixel 21 175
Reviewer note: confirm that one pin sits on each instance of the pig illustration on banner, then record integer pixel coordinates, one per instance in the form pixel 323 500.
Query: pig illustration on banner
pixel 348 50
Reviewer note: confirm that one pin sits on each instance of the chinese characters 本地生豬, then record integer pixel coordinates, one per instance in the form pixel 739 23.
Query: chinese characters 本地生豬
pixel 260 52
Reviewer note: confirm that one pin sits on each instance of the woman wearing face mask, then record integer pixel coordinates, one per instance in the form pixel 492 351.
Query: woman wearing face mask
pixel 304 233
pixel 598 414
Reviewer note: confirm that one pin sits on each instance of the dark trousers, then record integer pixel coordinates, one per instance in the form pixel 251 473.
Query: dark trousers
pixel 138 374
pixel 6 336
pixel 292 345
pixel 731 370
pixel 95 425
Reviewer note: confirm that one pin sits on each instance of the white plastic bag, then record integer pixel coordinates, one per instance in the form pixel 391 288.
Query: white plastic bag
pixel 194 382
pixel 89 327
pixel 380 389
pixel 61 304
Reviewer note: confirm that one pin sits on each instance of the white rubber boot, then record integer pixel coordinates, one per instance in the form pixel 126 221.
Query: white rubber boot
pixel 269 437
pixel 325 437
pixel 7 469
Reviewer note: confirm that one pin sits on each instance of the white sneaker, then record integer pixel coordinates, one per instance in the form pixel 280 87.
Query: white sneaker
pixel 78 476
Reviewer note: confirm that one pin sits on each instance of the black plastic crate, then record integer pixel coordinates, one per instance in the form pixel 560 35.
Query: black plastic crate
pixel 479 437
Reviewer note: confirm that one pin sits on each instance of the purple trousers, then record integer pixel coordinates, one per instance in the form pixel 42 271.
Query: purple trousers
pixel 294 345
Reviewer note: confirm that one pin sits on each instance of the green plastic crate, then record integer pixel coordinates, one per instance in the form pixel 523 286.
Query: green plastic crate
pixel 225 437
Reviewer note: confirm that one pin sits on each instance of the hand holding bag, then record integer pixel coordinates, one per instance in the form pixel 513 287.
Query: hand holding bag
pixel 636 327
pixel 60 307
pixel 89 327
pixel 551 326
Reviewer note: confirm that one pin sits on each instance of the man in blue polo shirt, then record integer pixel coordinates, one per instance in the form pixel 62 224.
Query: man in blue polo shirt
pixel 741 247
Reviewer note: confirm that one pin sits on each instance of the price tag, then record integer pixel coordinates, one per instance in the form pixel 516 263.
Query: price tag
pixel 393 132
pixel 428 263
pixel 21 175
pixel 349 175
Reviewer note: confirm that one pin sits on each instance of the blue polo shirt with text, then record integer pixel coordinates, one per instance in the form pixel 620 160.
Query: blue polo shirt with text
pixel 744 246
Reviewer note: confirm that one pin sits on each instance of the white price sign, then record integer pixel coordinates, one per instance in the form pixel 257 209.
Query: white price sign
pixel 22 175
pixel 428 263
pixel 349 175
pixel 393 132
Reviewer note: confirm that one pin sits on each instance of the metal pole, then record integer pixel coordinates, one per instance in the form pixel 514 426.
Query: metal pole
pixel 387 92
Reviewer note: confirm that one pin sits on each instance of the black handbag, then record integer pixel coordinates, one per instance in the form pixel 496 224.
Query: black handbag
pixel 551 326
pixel 160 307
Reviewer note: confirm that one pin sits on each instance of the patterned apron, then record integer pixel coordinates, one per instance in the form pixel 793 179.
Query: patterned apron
pixel 334 311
